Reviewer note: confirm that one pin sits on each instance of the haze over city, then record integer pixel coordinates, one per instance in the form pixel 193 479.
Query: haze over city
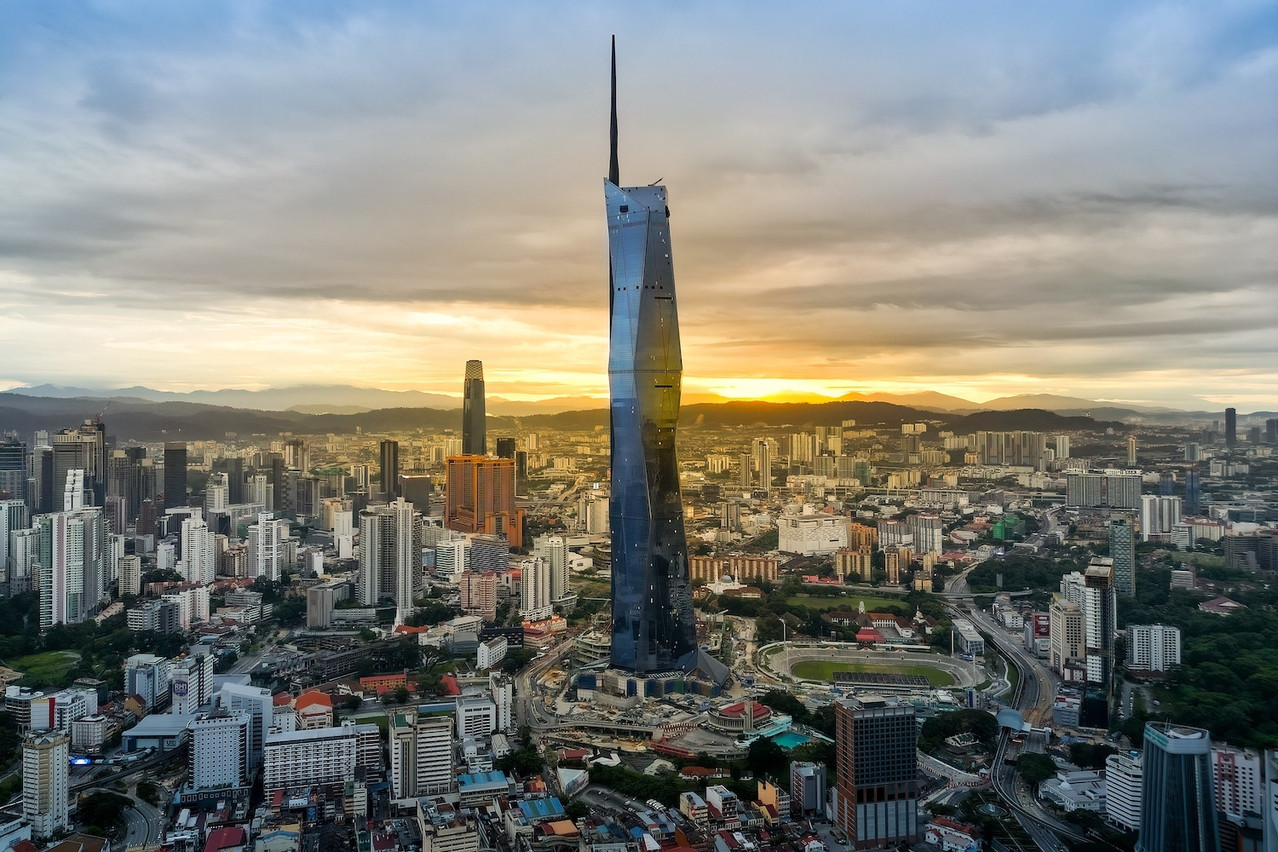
pixel 983 201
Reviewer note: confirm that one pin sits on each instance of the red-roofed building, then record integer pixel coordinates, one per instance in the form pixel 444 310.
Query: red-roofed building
pixel 314 710
pixel 733 717
pixel 281 699
pixel 227 839
pixel 869 635
pixel 951 835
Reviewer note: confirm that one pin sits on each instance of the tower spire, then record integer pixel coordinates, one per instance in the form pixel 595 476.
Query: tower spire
pixel 614 171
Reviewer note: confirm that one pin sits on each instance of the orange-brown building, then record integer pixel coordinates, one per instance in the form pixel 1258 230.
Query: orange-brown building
pixel 480 497
pixel 742 567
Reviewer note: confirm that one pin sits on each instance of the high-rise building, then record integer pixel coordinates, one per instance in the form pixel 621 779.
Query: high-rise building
pixel 1231 427
pixel 1124 777
pixel 1122 549
pixel 130 568
pixel 480 497
pixel 82 448
pixel 1178 807
pixel 390 556
pixel 1131 450
pixel 478 594
pixel 72 564
pixel 534 586
pixel 875 743
pixel 1100 622
pixel 807 788
pixel 474 427
pixel 1269 810
pixel 1152 647
pixel 421 749
pixel 45 782
pixel 1157 517
pixel 198 564
pixel 652 619
pixel 389 452
pixel 13 469
pixel 266 546
pixel 506 448
pixel 1237 781
pixel 554 550
pixel 1062 446
pixel 174 474
pixel 1114 489
pixel 219 750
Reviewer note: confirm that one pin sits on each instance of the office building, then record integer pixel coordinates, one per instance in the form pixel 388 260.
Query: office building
pixel 390 556
pixel 175 475
pixel 14 516
pixel 191 682
pixel 421 748
pixel 1124 777
pixel 389 454
pixel 256 702
pixel 82 448
pixel 148 676
pixel 534 586
pixel 1231 427
pixel 45 782
pixel 1122 549
pixel 506 448
pixel 877 786
pixel 13 469
pixel 807 788
pixel 476 717
pixel 474 427
pixel 652 620
pixel 1100 622
pixel 1153 647
pixel 1178 804
pixel 1067 645
pixel 293 759
pixel 480 497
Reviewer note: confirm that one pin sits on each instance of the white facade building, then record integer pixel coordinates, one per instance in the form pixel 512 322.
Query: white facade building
pixel 45 782
pixel 1123 782
pixel 535 590
pixel 219 750
pixel 809 532
pixel 1153 647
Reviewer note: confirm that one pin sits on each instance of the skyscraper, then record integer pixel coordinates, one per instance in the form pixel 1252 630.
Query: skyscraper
pixel 1122 549
pixel 45 782
pixel 389 552
pixel 652 620
pixel 875 743
pixel 1231 426
pixel 1178 808
pixel 1100 621
pixel 174 474
pixel 479 497
pixel 474 434
pixel 390 469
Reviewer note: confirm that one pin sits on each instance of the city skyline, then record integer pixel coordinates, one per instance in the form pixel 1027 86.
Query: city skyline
pixel 982 202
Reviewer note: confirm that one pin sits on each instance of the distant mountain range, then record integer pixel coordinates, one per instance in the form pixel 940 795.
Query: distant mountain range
pixel 143 414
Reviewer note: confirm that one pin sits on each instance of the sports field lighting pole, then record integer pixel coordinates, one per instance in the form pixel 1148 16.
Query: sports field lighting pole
pixel 782 620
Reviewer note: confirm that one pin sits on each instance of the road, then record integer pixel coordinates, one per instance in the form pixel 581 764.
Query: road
pixel 142 825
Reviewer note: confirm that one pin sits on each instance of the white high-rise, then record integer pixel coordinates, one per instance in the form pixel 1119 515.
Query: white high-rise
pixel 219 750
pixel 389 556
pixel 197 564
pixel 45 782
pixel 266 546
pixel 421 754
pixel 1153 647
pixel 1158 515
pixel 535 589
pixel 13 517
pixel 71 564
pixel 554 550
pixel 1123 781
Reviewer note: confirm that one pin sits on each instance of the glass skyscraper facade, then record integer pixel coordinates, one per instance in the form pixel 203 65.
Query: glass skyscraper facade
pixel 1178 809
pixel 474 427
pixel 652 620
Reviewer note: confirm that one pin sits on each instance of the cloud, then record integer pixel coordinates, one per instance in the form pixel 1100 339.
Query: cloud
pixel 855 189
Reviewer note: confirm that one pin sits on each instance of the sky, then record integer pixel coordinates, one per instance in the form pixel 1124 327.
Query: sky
pixel 981 199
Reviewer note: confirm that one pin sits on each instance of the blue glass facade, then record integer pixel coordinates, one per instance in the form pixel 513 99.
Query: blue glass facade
pixel 1178 807
pixel 652 619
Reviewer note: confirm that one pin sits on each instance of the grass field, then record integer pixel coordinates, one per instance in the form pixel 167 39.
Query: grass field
pixel 48 666
pixel 825 669
pixel 852 601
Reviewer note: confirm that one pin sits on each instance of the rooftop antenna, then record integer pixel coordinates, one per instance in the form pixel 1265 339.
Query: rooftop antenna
pixel 614 170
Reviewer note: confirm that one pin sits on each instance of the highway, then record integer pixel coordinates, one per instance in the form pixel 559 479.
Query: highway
pixel 142 825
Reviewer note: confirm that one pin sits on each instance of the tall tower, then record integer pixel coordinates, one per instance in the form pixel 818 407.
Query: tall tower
pixel 1178 809
pixel 1122 549
pixel 875 744
pixel 174 474
pixel 474 436
pixel 652 620
pixel 1100 622
pixel 390 469
pixel 1231 426
pixel 45 777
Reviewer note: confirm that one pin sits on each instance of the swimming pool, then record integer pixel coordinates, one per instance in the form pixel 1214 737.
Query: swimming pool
pixel 790 740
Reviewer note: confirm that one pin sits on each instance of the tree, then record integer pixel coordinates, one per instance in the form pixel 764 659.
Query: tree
pixel 516 659
pixel 400 694
pixel 766 758
pixel 149 791
pixel 103 809
pixel 576 809
pixel 1035 768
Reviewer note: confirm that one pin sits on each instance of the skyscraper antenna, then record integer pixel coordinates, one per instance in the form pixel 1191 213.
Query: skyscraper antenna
pixel 614 170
